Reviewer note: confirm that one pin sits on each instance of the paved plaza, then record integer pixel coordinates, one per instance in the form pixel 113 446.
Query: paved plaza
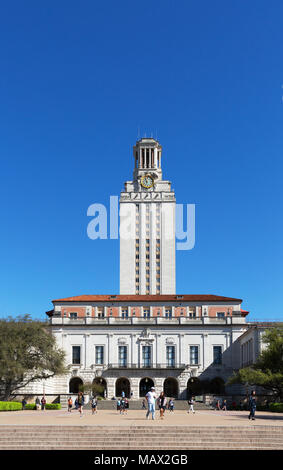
pixel 138 418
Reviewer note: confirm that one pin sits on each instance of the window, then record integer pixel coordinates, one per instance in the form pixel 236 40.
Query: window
pixel 125 313
pixel 146 313
pixel 170 355
pixel 217 354
pixel 220 314
pixel 168 313
pixel 194 359
pixel 100 312
pixel 73 315
pixel 146 356
pixel 76 356
pixel 192 313
pixel 122 356
pixel 99 355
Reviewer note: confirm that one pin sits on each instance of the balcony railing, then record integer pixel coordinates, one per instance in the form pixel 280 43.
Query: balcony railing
pixel 147 366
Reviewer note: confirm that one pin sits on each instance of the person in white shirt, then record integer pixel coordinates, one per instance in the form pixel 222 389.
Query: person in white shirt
pixel 191 403
pixel 151 397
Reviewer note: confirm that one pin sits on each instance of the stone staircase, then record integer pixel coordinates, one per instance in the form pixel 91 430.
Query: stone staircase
pixel 137 405
pixel 43 437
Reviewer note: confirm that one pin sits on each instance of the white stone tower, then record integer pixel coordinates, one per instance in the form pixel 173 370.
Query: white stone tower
pixel 147 226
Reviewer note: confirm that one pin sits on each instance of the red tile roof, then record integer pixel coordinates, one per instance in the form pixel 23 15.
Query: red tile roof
pixel 148 298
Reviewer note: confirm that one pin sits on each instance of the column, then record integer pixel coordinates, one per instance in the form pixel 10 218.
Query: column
pixel 205 352
pixel 110 349
pixel 181 359
pixel 158 349
pixel 87 360
pixel 133 359
pixel 155 157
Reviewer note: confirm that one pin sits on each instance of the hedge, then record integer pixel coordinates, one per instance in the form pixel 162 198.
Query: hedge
pixel 10 406
pixel 48 406
pixel 277 407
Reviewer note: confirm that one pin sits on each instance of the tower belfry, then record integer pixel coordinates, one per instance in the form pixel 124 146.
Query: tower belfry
pixel 147 226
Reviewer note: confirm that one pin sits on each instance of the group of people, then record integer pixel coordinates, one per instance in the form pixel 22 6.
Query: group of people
pixel 79 404
pixel 220 406
pixel 38 403
pixel 251 405
pixel 122 405
pixel 151 399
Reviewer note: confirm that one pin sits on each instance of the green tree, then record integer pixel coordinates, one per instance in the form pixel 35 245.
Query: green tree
pixel 94 388
pixel 268 369
pixel 28 352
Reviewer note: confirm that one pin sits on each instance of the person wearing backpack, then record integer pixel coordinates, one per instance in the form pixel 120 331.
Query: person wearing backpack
pixel 94 405
pixel 118 404
pixel 70 404
pixel 162 404
pixel 171 405
pixel 43 403
pixel 80 403
pixel 252 405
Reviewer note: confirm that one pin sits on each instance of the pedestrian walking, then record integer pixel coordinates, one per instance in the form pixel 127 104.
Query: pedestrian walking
pixel 191 403
pixel 252 405
pixel 118 404
pixel 43 403
pixel 150 398
pixel 37 403
pixel 80 403
pixel 143 405
pixel 162 404
pixel 70 404
pixel 123 394
pixel 171 405
pixel 94 405
pixel 23 403
pixel 123 409
pixel 217 405
pixel 224 405
pixel 76 404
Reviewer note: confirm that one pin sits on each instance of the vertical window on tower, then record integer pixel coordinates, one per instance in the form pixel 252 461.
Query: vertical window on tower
pixel 99 355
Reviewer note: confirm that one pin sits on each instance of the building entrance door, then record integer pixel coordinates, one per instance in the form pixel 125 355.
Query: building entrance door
pixel 171 387
pixel 123 385
pixel 145 386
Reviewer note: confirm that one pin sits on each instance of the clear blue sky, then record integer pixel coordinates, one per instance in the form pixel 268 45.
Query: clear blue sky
pixel 77 81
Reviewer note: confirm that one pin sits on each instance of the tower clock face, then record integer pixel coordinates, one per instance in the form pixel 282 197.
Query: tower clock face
pixel 147 181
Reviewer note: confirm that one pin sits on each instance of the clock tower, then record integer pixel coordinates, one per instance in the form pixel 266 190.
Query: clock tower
pixel 147 226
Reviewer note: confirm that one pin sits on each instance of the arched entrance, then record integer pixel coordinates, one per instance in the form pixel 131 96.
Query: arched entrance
pixel 145 386
pixel 123 385
pixel 74 385
pixel 99 387
pixel 170 387
pixel 194 387
pixel 217 386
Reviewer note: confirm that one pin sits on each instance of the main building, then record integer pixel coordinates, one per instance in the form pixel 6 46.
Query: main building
pixel 148 335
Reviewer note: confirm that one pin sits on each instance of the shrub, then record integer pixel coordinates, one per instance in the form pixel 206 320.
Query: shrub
pixel 30 406
pixel 10 406
pixel 53 406
pixel 276 407
pixel 48 406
